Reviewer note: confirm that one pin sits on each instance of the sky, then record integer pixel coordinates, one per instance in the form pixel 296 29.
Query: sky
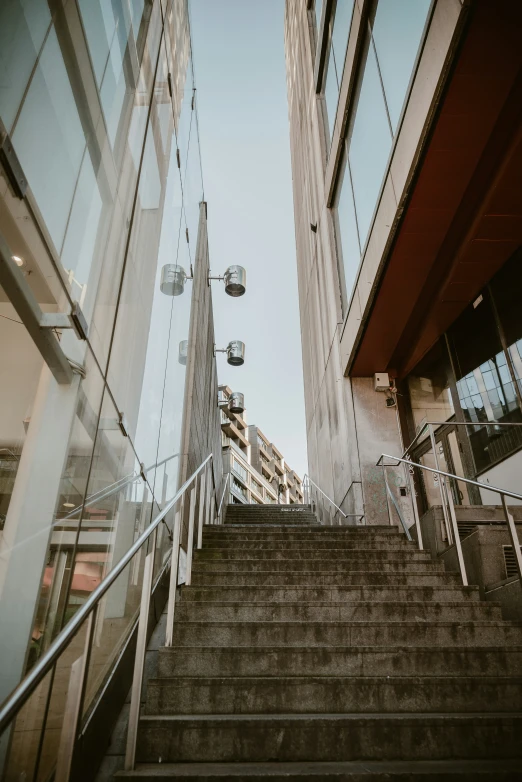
pixel 243 120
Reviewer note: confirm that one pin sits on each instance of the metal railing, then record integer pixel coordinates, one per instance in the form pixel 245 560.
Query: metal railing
pixel 431 427
pixel 450 507
pixel 86 618
pixel 324 506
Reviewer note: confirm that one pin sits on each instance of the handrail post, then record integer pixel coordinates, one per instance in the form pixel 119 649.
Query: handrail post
pixel 456 535
pixel 514 537
pixel 201 508
pixel 410 471
pixel 440 482
pixel 390 515
pixel 173 585
pixel 208 497
pixel 190 540
pixel 73 706
pixel 139 660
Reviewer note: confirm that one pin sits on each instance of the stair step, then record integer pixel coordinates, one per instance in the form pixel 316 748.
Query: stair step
pixel 369 771
pixel 316 695
pixel 297 578
pixel 320 546
pixel 319 563
pixel 283 553
pixel 337 612
pixel 345 634
pixel 315 594
pixel 329 737
pixel 340 661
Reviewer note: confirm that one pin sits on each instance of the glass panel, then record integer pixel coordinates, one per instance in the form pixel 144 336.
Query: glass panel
pixel 370 145
pixel 349 235
pixel 485 386
pixel 339 41
pixel 331 91
pixel 52 157
pixel 318 9
pixel 23 27
pixel 397 32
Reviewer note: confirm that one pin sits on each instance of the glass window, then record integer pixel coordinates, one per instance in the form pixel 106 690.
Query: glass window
pixel 318 10
pixel 339 41
pixel 370 144
pixel 240 470
pixel 349 234
pixel 52 157
pixel 485 384
pixel 23 27
pixel 397 32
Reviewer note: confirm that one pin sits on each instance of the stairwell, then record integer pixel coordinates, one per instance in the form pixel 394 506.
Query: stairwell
pixel 330 653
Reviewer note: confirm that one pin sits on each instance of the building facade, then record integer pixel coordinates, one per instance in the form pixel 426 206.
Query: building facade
pixel 258 471
pixel 406 156
pixel 102 244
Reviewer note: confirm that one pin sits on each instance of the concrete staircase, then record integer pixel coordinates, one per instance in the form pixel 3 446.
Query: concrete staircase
pixel 305 652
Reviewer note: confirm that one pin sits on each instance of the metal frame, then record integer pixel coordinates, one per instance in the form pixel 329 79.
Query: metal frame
pixel 502 492
pixel 87 613
pixel 308 482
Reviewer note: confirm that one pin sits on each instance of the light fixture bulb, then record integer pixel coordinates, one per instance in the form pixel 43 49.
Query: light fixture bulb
pixel 68 505
pixel 19 261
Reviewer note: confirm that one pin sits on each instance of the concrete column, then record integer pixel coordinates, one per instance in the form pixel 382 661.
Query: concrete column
pixel 29 520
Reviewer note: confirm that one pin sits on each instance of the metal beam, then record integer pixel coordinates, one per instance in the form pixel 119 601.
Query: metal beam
pixel 23 300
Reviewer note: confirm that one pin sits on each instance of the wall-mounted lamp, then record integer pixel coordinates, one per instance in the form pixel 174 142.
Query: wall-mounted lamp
pixel 234 279
pixel 235 403
pixel 173 279
pixel 183 352
pixel 235 351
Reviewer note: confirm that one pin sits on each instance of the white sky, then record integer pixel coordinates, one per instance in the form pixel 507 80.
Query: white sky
pixel 243 117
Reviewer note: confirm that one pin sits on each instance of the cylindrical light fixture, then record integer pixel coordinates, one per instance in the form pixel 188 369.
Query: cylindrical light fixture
pixel 183 352
pixel 236 353
pixel 236 403
pixel 173 278
pixel 235 281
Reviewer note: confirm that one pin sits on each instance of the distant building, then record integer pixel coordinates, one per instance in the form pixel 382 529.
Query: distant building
pixel 259 473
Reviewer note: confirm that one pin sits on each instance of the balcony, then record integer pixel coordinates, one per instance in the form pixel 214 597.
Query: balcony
pixel 232 431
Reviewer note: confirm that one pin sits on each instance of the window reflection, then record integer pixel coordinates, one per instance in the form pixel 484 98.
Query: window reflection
pixel 339 41
pixel 485 385
pixel 370 144
pixel 23 28
pixel 397 32
pixel 350 248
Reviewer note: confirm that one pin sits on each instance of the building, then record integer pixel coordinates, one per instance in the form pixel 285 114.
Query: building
pixel 106 332
pixel 259 473
pixel 406 156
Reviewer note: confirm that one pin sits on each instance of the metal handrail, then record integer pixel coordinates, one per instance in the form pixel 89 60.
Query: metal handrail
pixel 23 691
pixel 517 548
pixel 345 515
pixel 112 488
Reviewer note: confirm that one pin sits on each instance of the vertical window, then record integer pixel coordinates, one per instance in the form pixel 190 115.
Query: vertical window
pixel 397 32
pixel 392 46
pixel 340 30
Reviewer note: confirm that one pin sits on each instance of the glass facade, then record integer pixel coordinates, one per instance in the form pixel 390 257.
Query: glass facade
pixel 470 383
pixel 394 36
pixel 339 32
pixel 99 103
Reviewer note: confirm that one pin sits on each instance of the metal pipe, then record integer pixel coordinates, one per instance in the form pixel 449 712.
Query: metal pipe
pixel 173 584
pixel 456 535
pixel 443 504
pixel 514 537
pixel 190 539
pixel 19 696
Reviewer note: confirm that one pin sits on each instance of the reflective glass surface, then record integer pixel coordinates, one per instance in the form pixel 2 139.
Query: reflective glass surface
pixel 370 144
pixel 338 43
pixel 397 32
pixel 350 247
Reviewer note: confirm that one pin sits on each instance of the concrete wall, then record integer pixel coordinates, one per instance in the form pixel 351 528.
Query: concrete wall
pixel 505 475
pixel 348 425
pixel 202 425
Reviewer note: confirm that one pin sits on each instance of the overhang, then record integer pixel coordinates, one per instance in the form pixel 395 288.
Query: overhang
pixel 464 216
